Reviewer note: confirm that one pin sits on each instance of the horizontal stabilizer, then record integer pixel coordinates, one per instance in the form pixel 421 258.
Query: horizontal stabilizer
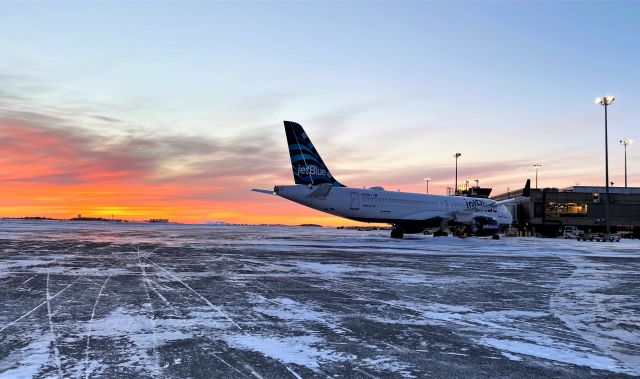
pixel 268 192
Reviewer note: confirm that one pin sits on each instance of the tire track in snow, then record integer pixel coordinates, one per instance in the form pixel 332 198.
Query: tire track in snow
pixel 54 337
pixel 575 294
pixel 229 365
pixel 293 373
pixel 151 313
pixel 144 276
pixel 34 309
pixel 93 313
pixel 153 286
pixel 156 288
pixel 174 277
pixel 55 259
pixel 252 371
pixel 217 308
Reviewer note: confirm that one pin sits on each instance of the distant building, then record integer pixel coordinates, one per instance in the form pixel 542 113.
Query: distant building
pixel 159 220
pixel 550 209
pixel 475 192
pixel 112 219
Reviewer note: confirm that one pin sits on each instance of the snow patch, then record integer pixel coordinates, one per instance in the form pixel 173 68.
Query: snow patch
pixel 560 354
pixel 300 350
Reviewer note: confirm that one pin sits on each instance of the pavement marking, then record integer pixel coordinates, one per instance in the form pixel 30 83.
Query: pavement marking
pixel 28 280
pixel 56 352
pixel 34 309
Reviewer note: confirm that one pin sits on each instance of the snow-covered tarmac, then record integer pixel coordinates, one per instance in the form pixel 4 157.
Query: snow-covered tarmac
pixel 118 300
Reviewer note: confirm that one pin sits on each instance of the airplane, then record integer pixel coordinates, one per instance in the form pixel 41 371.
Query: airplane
pixel 407 212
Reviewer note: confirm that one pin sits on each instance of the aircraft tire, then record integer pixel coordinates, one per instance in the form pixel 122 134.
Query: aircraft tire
pixel 397 233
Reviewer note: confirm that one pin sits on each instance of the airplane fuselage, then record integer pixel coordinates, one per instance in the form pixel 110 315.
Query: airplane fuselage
pixel 408 212
pixel 377 205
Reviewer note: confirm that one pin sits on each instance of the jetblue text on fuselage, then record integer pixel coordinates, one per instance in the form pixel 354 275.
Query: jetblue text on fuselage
pixel 311 170
pixel 474 203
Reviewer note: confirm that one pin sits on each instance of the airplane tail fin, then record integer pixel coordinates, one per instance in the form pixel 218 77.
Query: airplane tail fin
pixel 308 167
pixel 526 191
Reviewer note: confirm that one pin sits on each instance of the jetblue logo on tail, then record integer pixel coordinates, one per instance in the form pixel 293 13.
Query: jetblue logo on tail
pixel 312 170
pixel 308 167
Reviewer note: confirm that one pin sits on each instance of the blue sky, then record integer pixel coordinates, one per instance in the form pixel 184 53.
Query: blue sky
pixel 388 91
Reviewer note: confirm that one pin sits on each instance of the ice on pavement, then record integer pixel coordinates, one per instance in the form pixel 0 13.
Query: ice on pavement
pixel 103 299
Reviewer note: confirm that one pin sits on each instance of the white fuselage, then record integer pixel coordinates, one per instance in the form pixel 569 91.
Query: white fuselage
pixel 377 205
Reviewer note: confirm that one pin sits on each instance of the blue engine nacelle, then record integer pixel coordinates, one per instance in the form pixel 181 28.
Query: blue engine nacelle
pixel 485 226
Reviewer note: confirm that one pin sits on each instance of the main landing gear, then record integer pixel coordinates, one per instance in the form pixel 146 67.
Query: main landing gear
pixel 440 233
pixel 397 232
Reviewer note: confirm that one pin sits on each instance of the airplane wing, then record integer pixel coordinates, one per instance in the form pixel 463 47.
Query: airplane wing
pixel 268 192
pixel 450 215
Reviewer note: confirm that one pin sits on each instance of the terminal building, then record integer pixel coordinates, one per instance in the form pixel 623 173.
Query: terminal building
pixel 549 210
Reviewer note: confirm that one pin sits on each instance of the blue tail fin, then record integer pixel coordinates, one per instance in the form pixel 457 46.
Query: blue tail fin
pixel 308 167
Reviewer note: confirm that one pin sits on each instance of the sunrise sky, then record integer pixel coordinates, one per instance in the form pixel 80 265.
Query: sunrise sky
pixel 174 110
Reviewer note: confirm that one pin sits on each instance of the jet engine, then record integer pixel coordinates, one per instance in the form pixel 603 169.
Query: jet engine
pixel 484 226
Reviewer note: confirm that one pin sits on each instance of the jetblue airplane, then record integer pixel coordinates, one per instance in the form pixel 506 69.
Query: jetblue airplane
pixel 316 188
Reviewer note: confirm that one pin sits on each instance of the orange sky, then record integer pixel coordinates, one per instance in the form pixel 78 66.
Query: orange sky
pixel 59 173
pixel 51 167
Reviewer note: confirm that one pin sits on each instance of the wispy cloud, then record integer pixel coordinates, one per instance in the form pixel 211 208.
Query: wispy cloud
pixel 62 160
pixel 53 161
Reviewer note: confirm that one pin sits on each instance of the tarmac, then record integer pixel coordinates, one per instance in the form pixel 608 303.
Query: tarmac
pixel 84 299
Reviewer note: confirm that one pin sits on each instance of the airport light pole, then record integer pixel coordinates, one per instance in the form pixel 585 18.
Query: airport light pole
pixel 537 166
pixel 605 102
pixel 427 180
pixel 625 142
pixel 455 189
